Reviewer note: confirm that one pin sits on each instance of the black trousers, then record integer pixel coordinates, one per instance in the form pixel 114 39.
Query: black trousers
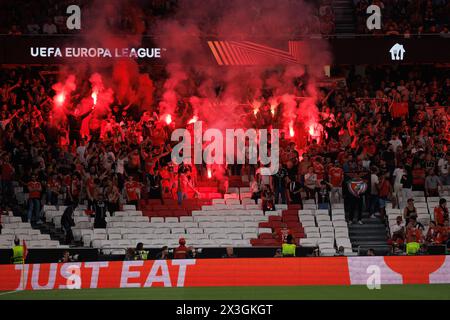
pixel 354 208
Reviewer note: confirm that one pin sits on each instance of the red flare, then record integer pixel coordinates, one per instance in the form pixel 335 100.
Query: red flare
pixel 168 119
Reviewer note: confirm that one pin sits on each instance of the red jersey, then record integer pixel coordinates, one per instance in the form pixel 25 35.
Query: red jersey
pixel 180 252
pixel 414 232
pixel 53 185
pixel 90 185
pixel 75 187
pixel 333 146
pixel 7 172
pixel 149 164
pixel 418 177
pixel 319 170
pixel 440 215
pixel 34 189
pixel 442 234
pixel 135 161
pixel 133 189
pixel 67 180
pixel 283 233
pixel 336 176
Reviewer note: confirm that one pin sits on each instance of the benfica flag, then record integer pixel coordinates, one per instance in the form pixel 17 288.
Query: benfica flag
pixel 399 109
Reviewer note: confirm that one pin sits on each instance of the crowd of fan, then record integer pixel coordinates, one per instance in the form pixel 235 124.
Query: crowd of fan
pixel 408 18
pixel 130 156
pixel 49 17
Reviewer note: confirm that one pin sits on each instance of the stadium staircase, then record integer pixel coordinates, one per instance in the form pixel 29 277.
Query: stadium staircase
pixel 344 15
pixel 371 234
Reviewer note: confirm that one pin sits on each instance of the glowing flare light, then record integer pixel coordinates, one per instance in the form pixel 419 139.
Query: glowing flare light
pixel 193 120
pixel 94 96
pixel 209 173
pixel 291 129
pixel 60 98
pixel 168 119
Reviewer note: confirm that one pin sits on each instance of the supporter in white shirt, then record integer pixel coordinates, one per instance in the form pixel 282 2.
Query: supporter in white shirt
pixel 443 169
pixel 395 142
pixel 398 174
pixel 398 226
pixel 49 27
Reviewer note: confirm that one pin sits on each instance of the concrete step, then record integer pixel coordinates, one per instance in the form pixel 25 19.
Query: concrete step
pixel 370 237
pixel 360 232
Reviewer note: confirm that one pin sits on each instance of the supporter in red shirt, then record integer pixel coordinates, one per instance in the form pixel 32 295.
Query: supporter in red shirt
pixel 53 190
pixel 7 173
pixel 336 176
pixel 319 169
pixel 441 212
pixel 413 231
pixel 443 233
pixel 181 252
pixel 133 191
pixel 34 200
pixel 75 189
pixel 418 174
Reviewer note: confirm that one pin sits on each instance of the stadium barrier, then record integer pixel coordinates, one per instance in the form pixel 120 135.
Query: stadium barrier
pixel 228 272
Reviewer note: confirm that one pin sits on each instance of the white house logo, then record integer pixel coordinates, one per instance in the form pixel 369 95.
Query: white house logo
pixel 397 52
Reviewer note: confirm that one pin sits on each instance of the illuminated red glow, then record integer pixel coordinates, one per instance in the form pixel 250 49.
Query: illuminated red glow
pixel 209 173
pixel 168 119
pixel 94 96
pixel 60 98
pixel 291 129
pixel 193 120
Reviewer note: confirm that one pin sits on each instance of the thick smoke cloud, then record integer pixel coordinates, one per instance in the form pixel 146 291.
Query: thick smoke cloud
pixel 222 92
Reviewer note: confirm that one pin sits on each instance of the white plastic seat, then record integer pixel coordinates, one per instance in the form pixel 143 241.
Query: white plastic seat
pixel 218 201
pixel 251 205
pixel 234 224
pixel 264 230
pixel 306 218
pixel 189 225
pixel 261 218
pixel 232 201
pixel 336 218
pixel 322 212
pixel 161 231
pixel 324 223
pixel 308 223
pixel 340 224
pixel 309 207
pixel 250 224
pixel 130 207
pixel 241 243
pixel 186 219
pixel 308 242
pixel 231 196
pixel 327 235
pixel 171 220
pixel 232 219
pixel 311 230
pixel 114 236
pixel 421 205
pixel 156 219
pixel 178 231
pixel 98 236
pixel 248 235
pixel 326 229
pixel 306 212
pixel 194 230
pixel 424 218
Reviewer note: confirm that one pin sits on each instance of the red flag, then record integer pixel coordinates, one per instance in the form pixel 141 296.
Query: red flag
pixel 25 250
pixel 399 109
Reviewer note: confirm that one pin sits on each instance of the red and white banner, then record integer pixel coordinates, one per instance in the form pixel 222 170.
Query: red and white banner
pixel 227 272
